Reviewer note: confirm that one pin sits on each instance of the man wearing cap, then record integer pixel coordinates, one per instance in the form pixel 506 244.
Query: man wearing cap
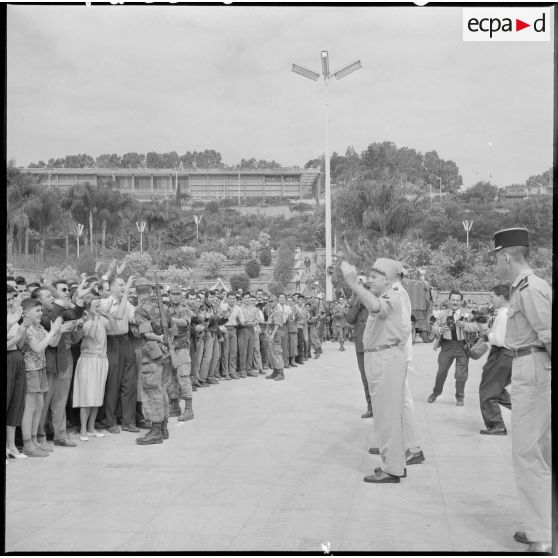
pixel 155 365
pixel 384 341
pixel 528 336
pixel 181 382
pixel 413 454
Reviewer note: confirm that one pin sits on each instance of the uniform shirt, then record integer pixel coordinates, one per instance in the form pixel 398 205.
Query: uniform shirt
pixel 110 305
pixel 406 308
pixel 339 312
pixel 182 338
pixel 250 314
pixel 277 316
pixel 302 318
pixel 384 327
pixel 148 320
pixel 530 312
pixel 497 334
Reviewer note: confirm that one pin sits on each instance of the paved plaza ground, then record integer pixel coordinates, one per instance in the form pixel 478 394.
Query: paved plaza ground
pixel 272 466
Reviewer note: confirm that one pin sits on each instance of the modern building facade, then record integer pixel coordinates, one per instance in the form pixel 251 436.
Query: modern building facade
pixel 197 184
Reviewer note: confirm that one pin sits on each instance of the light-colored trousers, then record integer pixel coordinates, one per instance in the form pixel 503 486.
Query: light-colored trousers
pixel 531 442
pixel 410 429
pixel 385 372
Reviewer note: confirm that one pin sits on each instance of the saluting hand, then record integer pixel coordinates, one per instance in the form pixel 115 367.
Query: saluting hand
pixel 349 273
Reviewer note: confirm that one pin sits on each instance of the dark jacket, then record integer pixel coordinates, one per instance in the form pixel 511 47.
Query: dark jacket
pixel 357 316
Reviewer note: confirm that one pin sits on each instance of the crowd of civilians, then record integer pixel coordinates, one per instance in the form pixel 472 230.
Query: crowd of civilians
pixel 74 351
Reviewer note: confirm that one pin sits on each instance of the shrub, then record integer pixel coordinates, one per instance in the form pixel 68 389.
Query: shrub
pixel 255 246
pixel 238 253
pixel 86 263
pixel 274 287
pixel 264 239
pixel 265 256
pixel 284 266
pixel 137 263
pixel 212 263
pixel 180 276
pixel 68 273
pixel 213 246
pixel 301 206
pixel 180 257
pixel 181 233
pixel 212 207
pixel 240 281
pixel 252 269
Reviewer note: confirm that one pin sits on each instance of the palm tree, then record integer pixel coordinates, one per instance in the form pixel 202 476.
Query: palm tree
pixel 82 203
pixel 45 212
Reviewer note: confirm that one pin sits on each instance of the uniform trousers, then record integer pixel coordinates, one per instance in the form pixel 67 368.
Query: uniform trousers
pixel 257 355
pixel 55 399
pixel 121 381
pixel 450 351
pixel 293 342
pixel 233 349
pixel 224 358
pixel 276 350
pixel 531 442
pixel 285 348
pixel 496 375
pixel 215 357
pixel 385 372
pixel 315 342
pixel 410 428
pixel 197 355
pixel 263 346
pixel 245 337
pixel 205 353
pixel 155 377
pixel 180 385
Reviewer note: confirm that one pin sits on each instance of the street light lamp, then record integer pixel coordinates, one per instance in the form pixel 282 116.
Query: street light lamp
pixel 197 220
pixel 78 229
pixel 467 225
pixel 440 186
pixel 314 76
pixel 141 227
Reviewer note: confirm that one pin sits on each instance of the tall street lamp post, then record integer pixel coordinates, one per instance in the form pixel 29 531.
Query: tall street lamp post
pixel 141 227
pixel 310 74
pixel 467 225
pixel 197 220
pixel 440 186
pixel 78 230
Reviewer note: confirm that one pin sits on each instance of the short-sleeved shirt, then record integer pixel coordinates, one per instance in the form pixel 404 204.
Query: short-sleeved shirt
pixel 406 308
pixel 384 328
pixel 530 312
pixel 277 316
pixel 33 360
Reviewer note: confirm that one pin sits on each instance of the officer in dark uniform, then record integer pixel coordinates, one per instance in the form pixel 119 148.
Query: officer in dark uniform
pixel 528 336
pixel 155 363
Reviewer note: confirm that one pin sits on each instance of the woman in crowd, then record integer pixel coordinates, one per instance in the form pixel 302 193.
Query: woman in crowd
pixel 37 340
pixel 92 367
pixel 16 381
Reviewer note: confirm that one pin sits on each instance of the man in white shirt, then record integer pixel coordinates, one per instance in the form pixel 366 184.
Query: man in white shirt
pixel 122 376
pixel 496 373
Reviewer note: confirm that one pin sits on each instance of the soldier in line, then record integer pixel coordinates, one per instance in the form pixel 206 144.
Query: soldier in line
pixel 292 333
pixel 154 364
pixel 277 334
pixel 181 383
pixel 529 336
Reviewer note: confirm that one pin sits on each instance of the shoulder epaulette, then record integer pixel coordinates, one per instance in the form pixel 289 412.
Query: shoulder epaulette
pixel 523 283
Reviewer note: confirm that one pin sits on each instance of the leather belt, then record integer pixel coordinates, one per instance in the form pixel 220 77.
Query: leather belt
pixel 117 335
pixel 525 351
pixel 381 348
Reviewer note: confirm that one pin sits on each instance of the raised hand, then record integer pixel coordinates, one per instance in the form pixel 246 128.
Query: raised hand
pixel 81 291
pixel 14 318
pixel 129 282
pixel 120 268
pixel 349 273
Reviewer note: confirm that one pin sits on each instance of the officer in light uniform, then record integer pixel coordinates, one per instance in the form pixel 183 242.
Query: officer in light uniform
pixel 413 454
pixel 528 335
pixel 384 362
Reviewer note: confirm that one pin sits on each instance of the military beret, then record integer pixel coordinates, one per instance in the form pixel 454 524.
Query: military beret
pixel 175 289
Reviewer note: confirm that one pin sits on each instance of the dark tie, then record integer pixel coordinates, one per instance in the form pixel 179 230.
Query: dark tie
pixel 453 329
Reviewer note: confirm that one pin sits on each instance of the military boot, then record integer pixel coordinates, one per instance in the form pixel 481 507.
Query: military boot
pixel 174 408
pixel 188 413
pixel 280 375
pixel 154 436
pixel 273 375
pixel 165 429
pixel 293 363
pixel 141 421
